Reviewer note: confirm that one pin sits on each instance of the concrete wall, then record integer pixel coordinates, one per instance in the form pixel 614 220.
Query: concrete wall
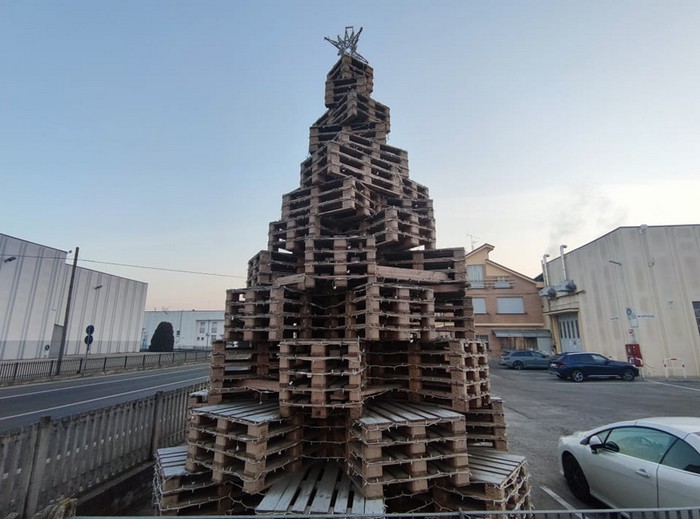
pixel 33 297
pixel 635 284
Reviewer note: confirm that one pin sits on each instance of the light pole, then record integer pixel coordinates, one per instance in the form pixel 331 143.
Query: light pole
pixel 94 312
pixel 62 349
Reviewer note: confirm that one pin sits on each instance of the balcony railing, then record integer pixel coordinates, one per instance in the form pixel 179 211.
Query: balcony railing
pixel 491 282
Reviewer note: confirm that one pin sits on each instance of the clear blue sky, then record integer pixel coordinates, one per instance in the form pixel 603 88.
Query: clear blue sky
pixel 164 133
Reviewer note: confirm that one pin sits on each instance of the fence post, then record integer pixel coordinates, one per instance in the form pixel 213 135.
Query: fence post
pixel 157 423
pixel 104 365
pixel 38 466
pixel 14 372
pixel 126 359
pixel 159 356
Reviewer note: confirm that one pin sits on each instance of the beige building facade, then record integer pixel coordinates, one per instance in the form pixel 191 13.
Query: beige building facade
pixel 507 306
pixel 632 286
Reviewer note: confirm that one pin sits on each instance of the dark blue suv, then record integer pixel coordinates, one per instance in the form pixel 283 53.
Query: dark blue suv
pixel 579 366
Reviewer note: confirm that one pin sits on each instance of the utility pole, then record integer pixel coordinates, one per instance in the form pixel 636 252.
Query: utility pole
pixel 64 334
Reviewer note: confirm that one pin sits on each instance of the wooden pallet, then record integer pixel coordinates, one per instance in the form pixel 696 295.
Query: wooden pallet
pixel 320 488
pixel 499 481
pixel 179 492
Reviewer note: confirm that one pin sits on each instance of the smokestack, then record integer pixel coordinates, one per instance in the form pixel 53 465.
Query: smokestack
pixel 563 260
pixel 545 273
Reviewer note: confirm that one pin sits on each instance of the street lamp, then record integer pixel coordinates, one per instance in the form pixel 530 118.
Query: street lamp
pixel 633 350
pixel 628 308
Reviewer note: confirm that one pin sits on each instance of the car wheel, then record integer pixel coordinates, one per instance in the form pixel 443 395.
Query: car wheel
pixel 628 376
pixel 517 365
pixel 575 478
pixel 577 375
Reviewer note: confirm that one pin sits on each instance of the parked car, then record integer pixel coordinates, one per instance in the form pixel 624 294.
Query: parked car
pixel 648 463
pixel 579 366
pixel 520 359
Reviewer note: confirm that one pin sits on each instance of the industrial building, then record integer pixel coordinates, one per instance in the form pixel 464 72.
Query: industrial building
pixel 632 294
pixel 34 286
pixel 193 329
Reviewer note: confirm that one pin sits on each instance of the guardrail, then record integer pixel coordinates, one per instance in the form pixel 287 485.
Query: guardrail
pixel 71 456
pixel 23 370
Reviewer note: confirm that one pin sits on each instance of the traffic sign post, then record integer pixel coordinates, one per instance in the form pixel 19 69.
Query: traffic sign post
pixel 88 341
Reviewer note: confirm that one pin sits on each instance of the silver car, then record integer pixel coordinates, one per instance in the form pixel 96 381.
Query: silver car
pixel 648 463
pixel 522 359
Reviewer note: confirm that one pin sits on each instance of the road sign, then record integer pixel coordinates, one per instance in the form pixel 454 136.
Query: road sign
pixel 89 338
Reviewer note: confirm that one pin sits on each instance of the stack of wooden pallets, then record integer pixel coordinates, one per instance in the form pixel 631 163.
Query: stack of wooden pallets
pixel 352 344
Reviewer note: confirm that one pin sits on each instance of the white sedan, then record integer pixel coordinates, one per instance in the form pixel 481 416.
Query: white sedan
pixel 648 463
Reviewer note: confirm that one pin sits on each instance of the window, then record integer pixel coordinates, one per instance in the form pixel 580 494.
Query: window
pixel 475 276
pixel 696 309
pixel 639 442
pixel 214 327
pixel 683 457
pixel 479 304
pixel 202 327
pixel 598 359
pixel 510 305
pixel 484 339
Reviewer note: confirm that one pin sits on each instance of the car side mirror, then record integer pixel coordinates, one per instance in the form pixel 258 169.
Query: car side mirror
pixel 595 443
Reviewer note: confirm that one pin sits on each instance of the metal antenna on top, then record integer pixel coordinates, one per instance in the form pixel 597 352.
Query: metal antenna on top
pixel 347 44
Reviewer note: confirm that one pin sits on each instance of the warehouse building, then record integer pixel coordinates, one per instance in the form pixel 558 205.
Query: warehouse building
pixel 632 294
pixel 34 285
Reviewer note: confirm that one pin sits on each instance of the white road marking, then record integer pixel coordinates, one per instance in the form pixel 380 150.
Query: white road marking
pixel 673 385
pixel 563 502
pixel 145 374
pixel 100 398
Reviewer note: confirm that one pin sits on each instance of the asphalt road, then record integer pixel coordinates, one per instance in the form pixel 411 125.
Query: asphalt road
pixel 539 408
pixel 23 405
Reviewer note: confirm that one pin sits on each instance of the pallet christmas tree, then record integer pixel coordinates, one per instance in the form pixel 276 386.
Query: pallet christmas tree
pixel 349 376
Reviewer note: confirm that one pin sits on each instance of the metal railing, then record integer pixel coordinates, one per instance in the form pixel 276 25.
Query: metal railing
pixel 636 513
pixel 24 370
pixel 73 455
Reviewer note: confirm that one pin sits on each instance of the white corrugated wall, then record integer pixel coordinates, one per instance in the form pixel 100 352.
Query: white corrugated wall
pixel 33 292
